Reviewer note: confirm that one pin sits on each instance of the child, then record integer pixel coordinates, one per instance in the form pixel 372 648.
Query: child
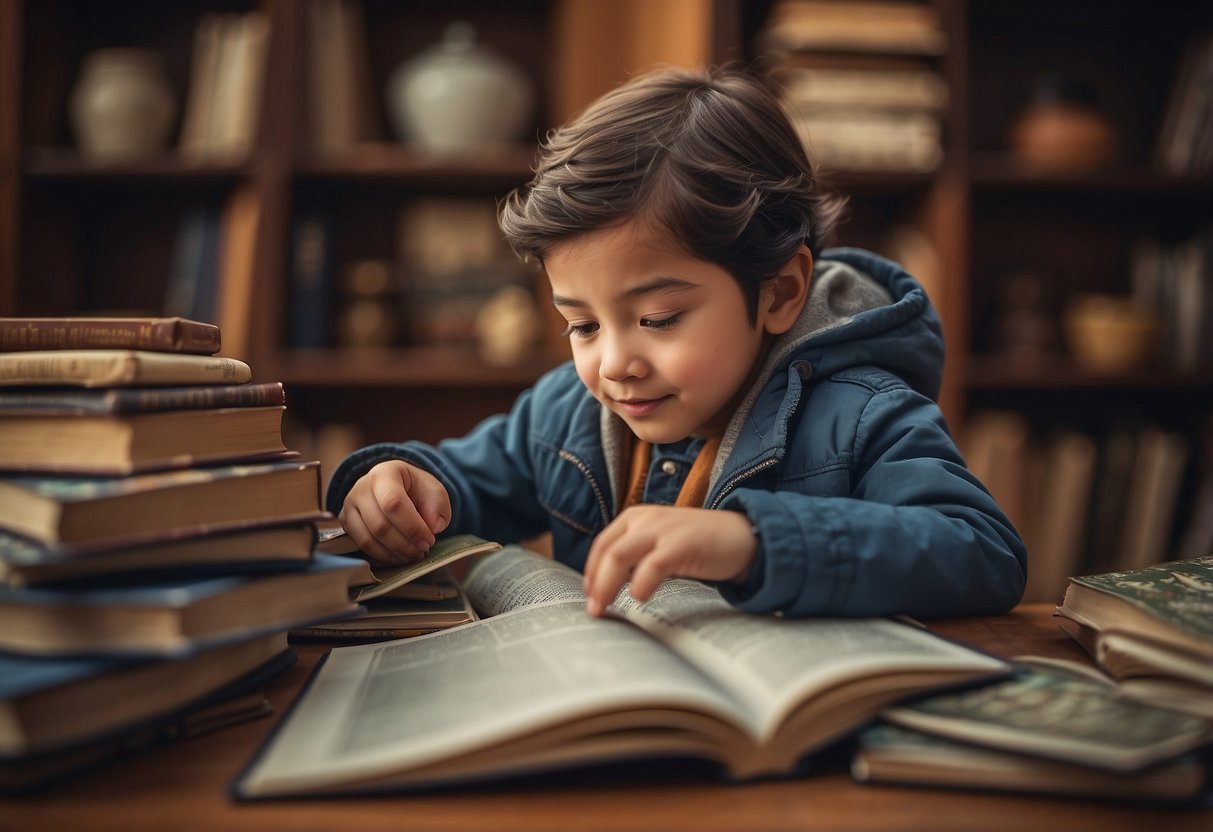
pixel 743 407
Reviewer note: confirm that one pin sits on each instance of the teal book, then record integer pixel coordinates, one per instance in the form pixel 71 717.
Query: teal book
pixel 174 617
pixel 1155 622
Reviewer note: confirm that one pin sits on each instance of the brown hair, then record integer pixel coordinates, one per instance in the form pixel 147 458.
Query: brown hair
pixel 707 155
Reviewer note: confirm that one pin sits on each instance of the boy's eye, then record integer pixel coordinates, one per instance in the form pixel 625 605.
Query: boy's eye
pixel 580 330
pixel 661 323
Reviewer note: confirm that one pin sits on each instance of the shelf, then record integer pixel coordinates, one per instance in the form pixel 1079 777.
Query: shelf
pixel 169 168
pixel 986 373
pixel 1001 171
pixel 876 183
pixel 390 163
pixel 408 366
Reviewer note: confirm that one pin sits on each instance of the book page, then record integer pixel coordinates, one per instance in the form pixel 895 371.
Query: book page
pixel 395 709
pixel 516 577
pixel 773 664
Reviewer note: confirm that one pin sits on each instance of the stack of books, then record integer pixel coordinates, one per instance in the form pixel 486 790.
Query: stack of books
pixel 157 540
pixel 1138 726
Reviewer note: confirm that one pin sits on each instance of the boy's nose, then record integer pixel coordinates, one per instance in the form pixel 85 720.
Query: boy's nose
pixel 620 361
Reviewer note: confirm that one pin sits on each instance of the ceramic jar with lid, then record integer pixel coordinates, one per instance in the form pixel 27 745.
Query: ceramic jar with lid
pixel 122 104
pixel 458 96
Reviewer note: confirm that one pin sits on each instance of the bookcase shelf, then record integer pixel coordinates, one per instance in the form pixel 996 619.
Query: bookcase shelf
pixel 423 366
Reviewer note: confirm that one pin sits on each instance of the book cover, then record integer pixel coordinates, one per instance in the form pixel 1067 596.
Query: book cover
pixel 312 291
pixel 895 755
pixel 172 616
pixel 111 368
pixel 1061 711
pixel 61 703
pixel 126 443
pixel 194 276
pixel 172 334
pixel 253 547
pixel 79 401
pixel 1177 593
pixel 128 509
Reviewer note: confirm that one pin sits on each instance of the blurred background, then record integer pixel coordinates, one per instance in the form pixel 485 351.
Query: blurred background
pixel 320 178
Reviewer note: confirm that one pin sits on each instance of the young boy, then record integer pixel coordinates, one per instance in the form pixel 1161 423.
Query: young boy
pixel 743 407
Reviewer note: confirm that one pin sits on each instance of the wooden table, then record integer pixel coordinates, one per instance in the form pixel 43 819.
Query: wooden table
pixel 184 787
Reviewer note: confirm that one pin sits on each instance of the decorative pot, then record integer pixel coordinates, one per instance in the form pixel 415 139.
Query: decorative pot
pixel 1063 129
pixel 457 96
pixel 122 105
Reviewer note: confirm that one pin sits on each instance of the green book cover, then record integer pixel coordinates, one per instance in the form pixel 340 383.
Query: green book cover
pixel 1177 592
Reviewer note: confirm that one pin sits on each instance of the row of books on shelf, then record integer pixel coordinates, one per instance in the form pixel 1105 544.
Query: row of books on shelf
pixel 1090 503
pixel 1175 283
pixel 853 110
pixel 158 542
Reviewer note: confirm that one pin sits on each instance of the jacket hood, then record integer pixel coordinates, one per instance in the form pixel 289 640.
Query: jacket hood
pixel 864 310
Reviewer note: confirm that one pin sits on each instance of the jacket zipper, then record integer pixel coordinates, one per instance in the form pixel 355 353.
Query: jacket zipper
pixel 585 470
pixel 731 484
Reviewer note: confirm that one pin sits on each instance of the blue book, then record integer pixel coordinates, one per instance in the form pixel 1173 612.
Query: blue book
pixel 311 299
pixel 174 617
pixel 58 704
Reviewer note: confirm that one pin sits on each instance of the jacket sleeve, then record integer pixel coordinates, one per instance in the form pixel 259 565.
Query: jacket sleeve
pixel 487 474
pixel 917 534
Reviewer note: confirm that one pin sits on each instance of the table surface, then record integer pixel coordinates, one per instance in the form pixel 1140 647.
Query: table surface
pixel 184 786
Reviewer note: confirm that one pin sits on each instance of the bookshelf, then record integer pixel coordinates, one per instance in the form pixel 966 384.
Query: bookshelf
pixel 78 236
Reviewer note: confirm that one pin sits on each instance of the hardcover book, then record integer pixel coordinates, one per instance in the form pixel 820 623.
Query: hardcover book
pixel 117 368
pixel 53 704
pixel 126 443
pixel 169 334
pixel 84 400
pixel 172 616
pixel 258 546
pixel 1151 622
pixel 682 675
pixel 114 511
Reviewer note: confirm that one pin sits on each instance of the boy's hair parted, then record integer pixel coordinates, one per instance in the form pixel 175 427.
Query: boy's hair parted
pixel 707 155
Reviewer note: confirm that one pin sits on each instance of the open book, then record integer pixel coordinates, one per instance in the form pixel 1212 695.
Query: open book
pixel 537 685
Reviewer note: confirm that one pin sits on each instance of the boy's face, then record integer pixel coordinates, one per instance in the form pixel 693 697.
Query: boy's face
pixel 660 338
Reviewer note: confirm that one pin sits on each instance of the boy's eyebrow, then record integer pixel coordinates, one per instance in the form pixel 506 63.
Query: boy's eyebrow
pixel 658 284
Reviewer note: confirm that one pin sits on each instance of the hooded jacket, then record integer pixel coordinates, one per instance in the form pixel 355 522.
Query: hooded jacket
pixel 838 455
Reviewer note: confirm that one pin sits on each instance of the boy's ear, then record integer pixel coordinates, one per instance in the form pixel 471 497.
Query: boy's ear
pixel 784 295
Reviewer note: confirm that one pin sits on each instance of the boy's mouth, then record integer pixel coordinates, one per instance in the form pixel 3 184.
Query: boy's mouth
pixel 639 407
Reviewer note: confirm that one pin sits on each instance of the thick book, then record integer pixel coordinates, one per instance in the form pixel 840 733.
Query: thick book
pixel 172 616
pixel 684 675
pixel 255 547
pixel 51 705
pixel 381 581
pixel 86 400
pixel 433 602
pixel 168 334
pixel 126 510
pixel 1151 622
pixel 889 754
pixel 1058 710
pixel 126 443
pixel 118 368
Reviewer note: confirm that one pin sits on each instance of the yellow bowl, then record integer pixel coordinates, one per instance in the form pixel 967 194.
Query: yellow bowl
pixel 1110 334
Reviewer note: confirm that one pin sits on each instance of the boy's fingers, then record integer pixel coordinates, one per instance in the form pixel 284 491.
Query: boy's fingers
pixel 401 522
pixel 430 498
pixel 359 531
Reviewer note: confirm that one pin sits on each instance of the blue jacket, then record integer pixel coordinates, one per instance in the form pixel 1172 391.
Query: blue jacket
pixel 839 456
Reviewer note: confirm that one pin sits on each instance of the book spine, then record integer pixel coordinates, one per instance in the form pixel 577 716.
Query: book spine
pixel 136 400
pixel 159 334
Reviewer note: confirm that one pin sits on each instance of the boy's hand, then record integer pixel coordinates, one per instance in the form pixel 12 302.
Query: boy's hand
pixel 647 544
pixel 394 511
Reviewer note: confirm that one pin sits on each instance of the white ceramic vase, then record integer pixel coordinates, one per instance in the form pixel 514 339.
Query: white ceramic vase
pixel 122 106
pixel 458 96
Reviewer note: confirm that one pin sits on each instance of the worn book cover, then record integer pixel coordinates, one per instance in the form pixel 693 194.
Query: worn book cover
pixel 253 547
pixel 118 368
pixel 56 704
pixel 168 334
pixel 85 400
pixel 126 443
pixel 112 511
pixel 172 616
pixel 1060 711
